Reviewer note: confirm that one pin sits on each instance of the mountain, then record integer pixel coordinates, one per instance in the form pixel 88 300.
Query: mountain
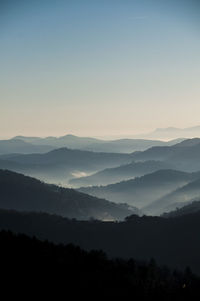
pixel 20 146
pixel 188 142
pixel 61 164
pixel 97 145
pixel 191 208
pixel 120 173
pixel 69 141
pixel 178 198
pixel 182 156
pixel 28 194
pixel 144 190
pixel 187 157
pixel 173 133
pixel 170 241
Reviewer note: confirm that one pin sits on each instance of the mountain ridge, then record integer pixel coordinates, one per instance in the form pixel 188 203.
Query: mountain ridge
pixel 143 190
pixel 124 145
pixel 24 193
pixel 120 173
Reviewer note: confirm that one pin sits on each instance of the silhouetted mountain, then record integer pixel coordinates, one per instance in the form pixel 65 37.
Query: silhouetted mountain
pixel 54 271
pixel 171 241
pixel 188 142
pixel 154 153
pixel 165 152
pixel 144 190
pixel 187 158
pixel 172 133
pixel 120 173
pixel 97 145
pixel 192 207
pixel 183 156
pixel 20 146
pixel 24 193
pixel 69 141
pixel 175 199
pixel 61 164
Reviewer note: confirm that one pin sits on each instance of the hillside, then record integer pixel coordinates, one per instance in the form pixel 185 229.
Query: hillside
pixel 23 193
pixel 120 173
pixel 175 199
pixel 20 146
pixel 182 156
pixel 61 164
pixel 192 207
pixel 170 241
pixel 144 190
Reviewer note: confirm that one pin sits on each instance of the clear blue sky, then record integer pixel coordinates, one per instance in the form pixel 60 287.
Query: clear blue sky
pixel 114 67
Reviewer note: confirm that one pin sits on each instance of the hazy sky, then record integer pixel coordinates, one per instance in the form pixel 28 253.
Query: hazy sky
pixel 114 67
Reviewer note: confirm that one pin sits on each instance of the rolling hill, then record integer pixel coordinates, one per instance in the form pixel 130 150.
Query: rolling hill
pixel 120 173
pixel 178 198
pixel 20 146
pixel 144 190
pixel 183 156
pixel 23 193
pixel 191 208
pixel 61 164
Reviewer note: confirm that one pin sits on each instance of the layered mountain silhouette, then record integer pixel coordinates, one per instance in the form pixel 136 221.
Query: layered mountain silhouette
pixel 120 173
pixel 21 146
pixel 143 190
pixel 98 145
pixel 62 164
pixel 59 165
pixel 155 181
pixel 28 194
pixel 178 198
pixel 183 156
pixel 173 133
pixel 191 208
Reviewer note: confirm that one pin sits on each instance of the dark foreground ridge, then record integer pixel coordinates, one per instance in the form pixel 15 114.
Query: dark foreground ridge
pixel 32 264
pixel 174 242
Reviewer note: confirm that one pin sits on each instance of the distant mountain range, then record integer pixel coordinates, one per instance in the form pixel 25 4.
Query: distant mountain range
pixel 23 193
pixel 93 144
pixel 120 173
pixel 172 133
pixel 142 191
pixel 160 180
pixel 137 143
pixel 21 146
pixel 156 180
pixel 86 168
pixel 61 164
pixel 177 198
pixel 183 156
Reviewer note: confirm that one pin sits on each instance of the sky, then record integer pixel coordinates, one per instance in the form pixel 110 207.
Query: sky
pixel 98 68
